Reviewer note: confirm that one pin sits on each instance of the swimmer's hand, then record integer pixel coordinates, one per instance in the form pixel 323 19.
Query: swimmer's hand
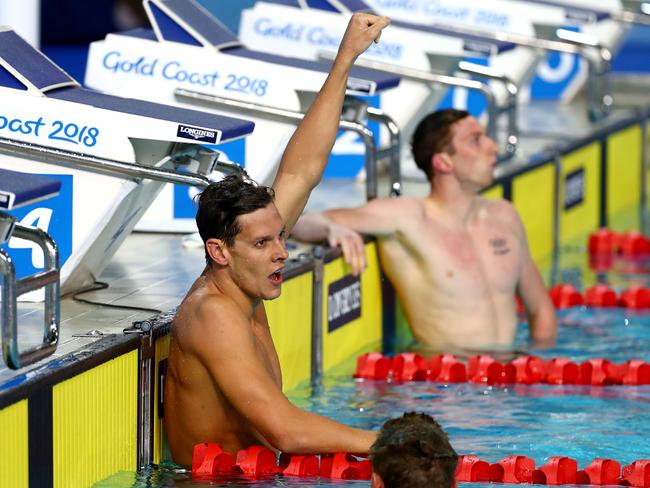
pixel 351 243
pixel 363 29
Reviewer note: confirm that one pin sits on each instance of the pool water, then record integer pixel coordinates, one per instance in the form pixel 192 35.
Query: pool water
pixel 538 421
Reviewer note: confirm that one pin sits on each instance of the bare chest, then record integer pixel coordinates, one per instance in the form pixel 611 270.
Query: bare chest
pixel 481 256
pixel 266 352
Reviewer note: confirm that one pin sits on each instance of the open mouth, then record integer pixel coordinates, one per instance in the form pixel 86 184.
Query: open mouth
pixel 276 278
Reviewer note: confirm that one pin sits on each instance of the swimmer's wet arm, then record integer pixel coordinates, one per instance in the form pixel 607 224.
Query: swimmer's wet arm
pixel 542 323
pixel 228 349
pixel 315 228
pixel 308 150
pixel 379 217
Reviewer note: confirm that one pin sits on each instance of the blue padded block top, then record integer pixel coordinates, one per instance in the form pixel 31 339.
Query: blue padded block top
pixel 31 63
pixel 140 33
pixel 17 189
pixel 193 16
pixel 473 42
pixel 349 5
pixel 358 76
pixel 579 13
pixel 230 127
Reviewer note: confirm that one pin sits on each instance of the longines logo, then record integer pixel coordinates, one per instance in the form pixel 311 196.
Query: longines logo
pixel 197 134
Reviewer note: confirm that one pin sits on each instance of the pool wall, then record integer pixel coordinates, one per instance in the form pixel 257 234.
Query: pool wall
pixel 79 419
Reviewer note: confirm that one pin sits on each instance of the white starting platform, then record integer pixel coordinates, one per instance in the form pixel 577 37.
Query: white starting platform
pixel 426 57
pixel 190 58
pixel 111 156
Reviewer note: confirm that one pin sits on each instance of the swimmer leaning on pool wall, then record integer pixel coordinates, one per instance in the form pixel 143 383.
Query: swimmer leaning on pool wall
pixel 224 382
pixel 455 258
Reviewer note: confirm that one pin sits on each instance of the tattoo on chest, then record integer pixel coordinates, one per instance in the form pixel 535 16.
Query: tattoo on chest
pixel 499 246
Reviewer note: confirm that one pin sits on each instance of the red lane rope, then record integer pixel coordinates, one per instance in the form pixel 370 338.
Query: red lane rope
pixel 484 369
pixel 210 460
pixel 559 470
pixel 602 296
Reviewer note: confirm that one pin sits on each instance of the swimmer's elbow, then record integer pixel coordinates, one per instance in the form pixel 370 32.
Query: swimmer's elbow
pixel 288 440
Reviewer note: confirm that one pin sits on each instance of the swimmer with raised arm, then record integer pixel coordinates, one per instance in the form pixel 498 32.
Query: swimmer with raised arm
pixel 224 382
pixel 455 258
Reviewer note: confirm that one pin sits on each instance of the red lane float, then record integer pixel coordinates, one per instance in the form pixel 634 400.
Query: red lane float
pixel 344 466
pixel 567 296
pixel 484 369
pixel 209 460
pixel 373 365
pixel 513 470
pixel 635 298
pixel 628 244
pixel 558 470
pixel 600 296
pixel 603 241
pixel 257 461
pixel 297 465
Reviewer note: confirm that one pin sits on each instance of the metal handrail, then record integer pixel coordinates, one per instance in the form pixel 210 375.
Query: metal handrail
pixel 599 95
pixel 392 151
pixel 510 108
pixel 642 17
pixel 12 289
pixel 111 167
pixel 292 117
pixel 567 45
pixel 429 77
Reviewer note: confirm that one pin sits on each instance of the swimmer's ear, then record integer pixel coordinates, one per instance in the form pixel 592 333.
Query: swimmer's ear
pixel 216 251
pixel 376 481
pixel 442 163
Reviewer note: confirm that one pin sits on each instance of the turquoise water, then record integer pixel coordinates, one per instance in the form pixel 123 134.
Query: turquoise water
pixel 537 421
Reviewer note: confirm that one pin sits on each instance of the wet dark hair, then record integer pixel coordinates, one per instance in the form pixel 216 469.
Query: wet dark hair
pixel 433 135
pixel 222 202
pixel 414 451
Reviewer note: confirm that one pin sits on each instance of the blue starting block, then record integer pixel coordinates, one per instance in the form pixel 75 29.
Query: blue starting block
pixel 110 157
pixel 190 58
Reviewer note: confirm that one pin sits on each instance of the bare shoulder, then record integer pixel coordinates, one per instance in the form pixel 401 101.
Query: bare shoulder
pixel 204 316
pixel 405 206
pixel 501 209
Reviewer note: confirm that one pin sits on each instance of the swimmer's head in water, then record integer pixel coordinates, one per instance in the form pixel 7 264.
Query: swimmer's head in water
pixel 221 203
pixel 434 135
pixel 413 451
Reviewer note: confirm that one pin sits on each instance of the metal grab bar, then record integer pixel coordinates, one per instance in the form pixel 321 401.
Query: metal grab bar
pixel 510 108
pixel 568 45
pixel 428 78
pixel 12 289
pixel 392 151
pixel 599 95
pixel 113 167
pixel 293 117
pixel 629 16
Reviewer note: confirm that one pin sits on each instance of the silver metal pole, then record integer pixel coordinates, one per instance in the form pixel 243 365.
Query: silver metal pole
pixel 102 165
pixel 291 117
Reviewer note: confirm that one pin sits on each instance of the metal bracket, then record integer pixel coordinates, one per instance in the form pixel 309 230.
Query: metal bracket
pixel 12 288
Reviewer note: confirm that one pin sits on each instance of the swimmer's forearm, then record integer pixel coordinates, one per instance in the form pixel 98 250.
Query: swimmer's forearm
pixel 309 433
pixel 311 228
pixel 543 326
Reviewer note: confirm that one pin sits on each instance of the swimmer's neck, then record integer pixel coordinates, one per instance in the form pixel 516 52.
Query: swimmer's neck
pixel 452 203
pixel 219 280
